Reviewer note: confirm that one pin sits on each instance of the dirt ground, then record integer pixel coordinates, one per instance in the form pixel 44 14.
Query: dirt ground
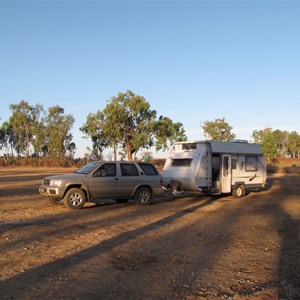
pixel 180 247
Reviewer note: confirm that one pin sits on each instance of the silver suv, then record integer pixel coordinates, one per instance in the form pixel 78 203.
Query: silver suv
pixel 99 180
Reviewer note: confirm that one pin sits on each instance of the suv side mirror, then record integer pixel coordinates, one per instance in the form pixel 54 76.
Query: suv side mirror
pixel 97 173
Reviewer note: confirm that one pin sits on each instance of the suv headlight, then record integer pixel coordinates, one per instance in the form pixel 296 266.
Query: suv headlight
pixel 55 182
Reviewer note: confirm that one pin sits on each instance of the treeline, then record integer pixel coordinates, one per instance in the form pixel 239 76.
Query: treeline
pixel 32 129
pixel 275 143
pixel 126 125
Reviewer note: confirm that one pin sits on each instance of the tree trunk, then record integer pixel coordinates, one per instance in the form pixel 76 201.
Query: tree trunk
pixel 115 152
pixel 128 149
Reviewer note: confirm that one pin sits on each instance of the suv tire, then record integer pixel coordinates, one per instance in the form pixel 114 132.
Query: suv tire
pixel 74 198
pixel 143 196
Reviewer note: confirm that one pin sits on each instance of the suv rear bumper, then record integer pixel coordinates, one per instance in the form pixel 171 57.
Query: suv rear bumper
pixel 158 192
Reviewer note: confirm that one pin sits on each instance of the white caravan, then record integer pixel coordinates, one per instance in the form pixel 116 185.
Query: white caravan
pixel 215 167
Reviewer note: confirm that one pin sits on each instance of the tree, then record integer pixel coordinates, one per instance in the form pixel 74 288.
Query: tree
pixel 167 133
pixel 8 138
pixel 259 135
pixel 3 139
pixel 21 122
pixel 71 149
pixel 127 120
pixel 38 129
pixel 281 138
pixel 130 120
pixel 93 128
pixel 58 136
pixel 268 147
pixel 293 142
pixel 218 130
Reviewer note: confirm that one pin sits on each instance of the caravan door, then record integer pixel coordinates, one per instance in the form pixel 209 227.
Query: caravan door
pixel 226 173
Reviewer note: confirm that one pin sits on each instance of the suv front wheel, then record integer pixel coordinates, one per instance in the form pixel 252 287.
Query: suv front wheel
pixel 74 198
pixel 143 196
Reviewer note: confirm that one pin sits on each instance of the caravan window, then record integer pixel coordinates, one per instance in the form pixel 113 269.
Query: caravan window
pixel 189 146
pixel 182 162
pixel 251 163
pixel 233 164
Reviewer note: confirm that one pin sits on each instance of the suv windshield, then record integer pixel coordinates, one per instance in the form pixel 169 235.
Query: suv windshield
pixel 87 168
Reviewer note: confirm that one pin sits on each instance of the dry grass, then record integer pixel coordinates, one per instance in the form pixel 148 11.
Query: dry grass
pixel 284 166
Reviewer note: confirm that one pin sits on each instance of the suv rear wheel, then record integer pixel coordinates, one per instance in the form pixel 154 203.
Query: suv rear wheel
pixel 74 198
pixel 143 196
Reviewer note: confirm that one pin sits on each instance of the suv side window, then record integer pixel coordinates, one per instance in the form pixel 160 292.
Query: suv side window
pixel 148 169
pixel 106 170
pixel 129 170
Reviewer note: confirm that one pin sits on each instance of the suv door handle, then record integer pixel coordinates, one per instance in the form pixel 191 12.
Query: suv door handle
pixel 116 179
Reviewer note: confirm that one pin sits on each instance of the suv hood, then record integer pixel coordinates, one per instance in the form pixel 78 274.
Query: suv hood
pixel 67 176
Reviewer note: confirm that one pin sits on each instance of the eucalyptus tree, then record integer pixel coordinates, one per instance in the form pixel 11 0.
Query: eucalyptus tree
pixel 281 141
pixel 93 128
pixel 218 130
pixel 167 133
pixel 21 122
pixel 38 129
pixel 259 135
pixel 294 144
pixel 268 146
pixel 8 139
pixel 274 143
pixel 127 120
pixel 58 135
pixel 3 138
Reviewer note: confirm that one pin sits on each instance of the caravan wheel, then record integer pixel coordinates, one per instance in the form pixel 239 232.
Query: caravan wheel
pixel 239 191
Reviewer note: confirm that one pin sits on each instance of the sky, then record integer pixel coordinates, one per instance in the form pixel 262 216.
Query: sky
pixel 193 61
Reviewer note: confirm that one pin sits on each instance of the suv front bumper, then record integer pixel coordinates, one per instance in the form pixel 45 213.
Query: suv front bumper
pixel 52 191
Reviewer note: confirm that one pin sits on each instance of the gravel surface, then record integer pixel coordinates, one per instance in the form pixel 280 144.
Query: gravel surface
pixel 187 246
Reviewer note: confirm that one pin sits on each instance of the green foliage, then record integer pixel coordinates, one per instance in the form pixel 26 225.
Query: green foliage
pixel 20 121
pixel 269 147
pixel 30 127
pixel 126 124
pixel 218 130
pixel 281 141
pixel 8 139
pixel 293 144
pixel 168 132
pixel 259 135
pixel 277 143
pixel 58 136
pixel 93 129
pixel 128 121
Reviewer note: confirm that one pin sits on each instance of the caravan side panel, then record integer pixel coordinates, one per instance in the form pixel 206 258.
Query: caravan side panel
pixel 250 170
